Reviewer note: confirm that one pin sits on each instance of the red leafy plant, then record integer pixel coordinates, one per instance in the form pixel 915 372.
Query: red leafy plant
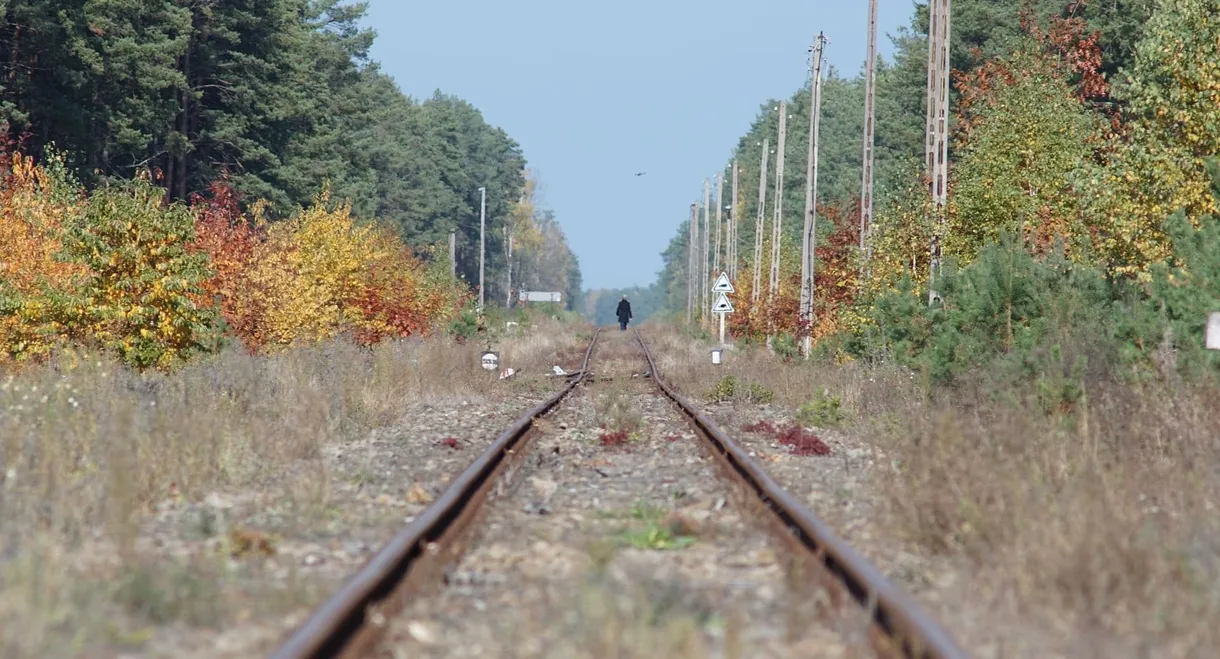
pixel 801 442
pixel 616 438
pixel 797 439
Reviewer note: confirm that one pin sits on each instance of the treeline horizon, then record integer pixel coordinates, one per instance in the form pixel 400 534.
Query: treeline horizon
pixel 278 99
pixel 1083 142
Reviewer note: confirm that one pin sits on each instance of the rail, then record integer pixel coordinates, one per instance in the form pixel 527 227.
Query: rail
pixel 892 610
pixel 332 628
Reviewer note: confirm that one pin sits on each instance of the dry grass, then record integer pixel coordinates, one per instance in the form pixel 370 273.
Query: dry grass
pixel 1094 526
pixel 1102 522
pixel 686 363
pixel 649 620
pixel 88 449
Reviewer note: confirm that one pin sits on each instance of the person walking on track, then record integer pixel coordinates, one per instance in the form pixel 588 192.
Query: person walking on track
pixel 624 313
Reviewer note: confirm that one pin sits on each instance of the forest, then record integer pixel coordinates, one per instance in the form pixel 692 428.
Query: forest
pixel 1083 195
pixel 175 174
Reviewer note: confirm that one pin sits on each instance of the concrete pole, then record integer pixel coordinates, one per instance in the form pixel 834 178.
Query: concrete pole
pixel 508 243
pixel 453 255
pixel 693 236
pixel 482 242
pixel 716 263
pixel 937 146
pixel 870 117
pixel 703 260
pixel 732 249
pixel 777 226
pixel 760 222
pixel 809 234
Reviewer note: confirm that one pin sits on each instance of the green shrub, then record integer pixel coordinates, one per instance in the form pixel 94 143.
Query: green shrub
pixel 822 411
pixel 784 345
pixel 466 324
pixel 759 394
pixel 1051 324
pixel 724 390
pixel 728 388
pixel 1008 305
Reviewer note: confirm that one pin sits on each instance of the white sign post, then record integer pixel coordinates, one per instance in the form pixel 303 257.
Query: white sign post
pixel 722 306
pixel 491 361
pixel 1213 331
pixel 540 296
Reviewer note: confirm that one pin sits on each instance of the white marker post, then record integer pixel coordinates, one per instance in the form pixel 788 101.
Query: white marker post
pixel 722 306
pixel 1213 331
pixel 490 361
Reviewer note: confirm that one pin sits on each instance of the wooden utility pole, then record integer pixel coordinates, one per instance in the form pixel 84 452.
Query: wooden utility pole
pixel 777 225
pixel 691 280
pixel 732 248
pixel 716 268
pixel 870 116
pixel 760 221
pixel 706 295
pixel 809 235
pixel 937 147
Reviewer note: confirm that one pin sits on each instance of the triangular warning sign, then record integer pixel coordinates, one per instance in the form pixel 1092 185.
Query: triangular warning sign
pixel 723 285
pixel 722 305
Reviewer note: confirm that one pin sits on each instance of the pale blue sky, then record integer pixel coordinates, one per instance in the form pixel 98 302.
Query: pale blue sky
pixel 596 91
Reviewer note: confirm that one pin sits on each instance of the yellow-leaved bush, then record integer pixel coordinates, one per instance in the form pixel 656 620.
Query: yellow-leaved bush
pixel 158 283
pixel 34 206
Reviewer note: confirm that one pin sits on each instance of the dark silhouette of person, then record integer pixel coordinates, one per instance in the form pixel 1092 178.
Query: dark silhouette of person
pixel 624 313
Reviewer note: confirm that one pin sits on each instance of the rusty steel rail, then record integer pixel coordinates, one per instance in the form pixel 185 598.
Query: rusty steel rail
pixel 333 626
pixel 893 612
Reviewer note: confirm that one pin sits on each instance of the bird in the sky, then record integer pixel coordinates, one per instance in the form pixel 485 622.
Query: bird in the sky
pixel 640 173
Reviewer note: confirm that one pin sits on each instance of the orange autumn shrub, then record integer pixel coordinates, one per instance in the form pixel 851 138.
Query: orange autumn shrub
pixel 317 275
pixel 34 205
pixel 156 284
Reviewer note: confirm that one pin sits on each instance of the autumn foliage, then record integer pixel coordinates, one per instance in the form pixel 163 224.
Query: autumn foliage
pixel 155 284
pixel 836 284
pixel 1051 155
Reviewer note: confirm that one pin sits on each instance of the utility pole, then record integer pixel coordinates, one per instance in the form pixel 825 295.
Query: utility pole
pixel 508 245
pixel 760 222
pixel 809 236
pixel 691 280
pixel 719 222
pixel 453 254
pixel 937 147
pixel 732 248
pixel 870 116
pixel 706 295
pixel 777 226
pixel 482 242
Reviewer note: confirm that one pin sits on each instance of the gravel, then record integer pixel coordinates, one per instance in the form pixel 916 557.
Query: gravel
pixel 637 549
pixel 839 489
pixel 319 523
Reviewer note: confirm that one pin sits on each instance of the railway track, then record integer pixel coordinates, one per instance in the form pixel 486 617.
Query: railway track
pixel 360 619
